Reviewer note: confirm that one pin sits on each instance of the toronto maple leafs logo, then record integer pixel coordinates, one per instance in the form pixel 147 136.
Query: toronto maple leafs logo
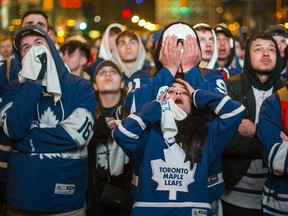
pixel 48 119
pixel 173 174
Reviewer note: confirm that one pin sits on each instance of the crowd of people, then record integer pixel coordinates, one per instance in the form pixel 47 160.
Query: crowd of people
pixel 190 121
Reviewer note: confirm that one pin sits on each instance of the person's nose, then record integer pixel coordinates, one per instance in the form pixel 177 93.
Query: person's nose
pixel 128 46
pixel 219 41
pixel 265 52
pixel 208 44
pixel 178 92
pixel 107 73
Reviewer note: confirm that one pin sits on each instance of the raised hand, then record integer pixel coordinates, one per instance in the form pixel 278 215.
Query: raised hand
pixel 191 56
pixel 186 85
pixel 170 56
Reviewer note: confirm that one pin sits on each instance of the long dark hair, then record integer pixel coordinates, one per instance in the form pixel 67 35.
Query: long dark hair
pixel 122 114
pixel 192 133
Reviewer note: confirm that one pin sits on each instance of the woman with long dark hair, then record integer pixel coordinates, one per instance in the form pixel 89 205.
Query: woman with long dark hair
pixel 108 164
pixel 172 160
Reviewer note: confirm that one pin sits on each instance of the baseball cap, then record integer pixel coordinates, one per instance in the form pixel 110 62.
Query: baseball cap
pixel 277 30
pixel 222 29
pixel 107 63
pixel 26 31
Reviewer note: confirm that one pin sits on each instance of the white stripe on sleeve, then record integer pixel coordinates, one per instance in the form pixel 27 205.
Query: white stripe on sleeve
pixel 233 113
pixel 221 104
pixel 127 133
pixel 278 162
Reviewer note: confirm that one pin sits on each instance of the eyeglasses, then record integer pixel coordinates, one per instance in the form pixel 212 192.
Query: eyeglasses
pixel 105 72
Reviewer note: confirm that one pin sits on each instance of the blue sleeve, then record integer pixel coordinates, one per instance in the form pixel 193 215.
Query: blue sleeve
pixel 73 132
pixel 269 127
pixel 197 81
pixel 137 79
pixel 19 108
pixel 129 133
pixel 230 114
pixel 216 79
pixel 147 92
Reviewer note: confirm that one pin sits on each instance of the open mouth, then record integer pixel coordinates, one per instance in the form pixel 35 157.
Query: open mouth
pixel 178 101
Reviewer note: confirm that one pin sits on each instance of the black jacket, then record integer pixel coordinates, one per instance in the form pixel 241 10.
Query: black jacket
pixel 99 177
pixel 241 150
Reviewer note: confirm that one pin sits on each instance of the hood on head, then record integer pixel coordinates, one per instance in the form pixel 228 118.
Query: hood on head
pixel 214 57
pixel 141 57
pixel 222 29
pixel 27 30
pixel 156 35
pixel 250 72
pixel 181 30
pixel 104 50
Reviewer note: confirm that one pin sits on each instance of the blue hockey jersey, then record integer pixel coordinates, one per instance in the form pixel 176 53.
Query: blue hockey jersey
pixel 48 167
pixel 213 81
pixel 275 192
pixel 166 184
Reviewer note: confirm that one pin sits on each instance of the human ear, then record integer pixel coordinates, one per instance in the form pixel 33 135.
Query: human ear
pixel 95 86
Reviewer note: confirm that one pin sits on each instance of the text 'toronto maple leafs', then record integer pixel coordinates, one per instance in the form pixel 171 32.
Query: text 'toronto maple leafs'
pixel 173 174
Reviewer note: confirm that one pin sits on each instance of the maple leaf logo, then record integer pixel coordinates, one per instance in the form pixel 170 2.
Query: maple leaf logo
pixel 48 119
pixel 173 174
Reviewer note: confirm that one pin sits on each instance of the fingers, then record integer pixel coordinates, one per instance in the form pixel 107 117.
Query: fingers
pixel 112 124
pixel 191 54
pixel 283 136
pixel 186 85
pixel 108 119
pixel 162 96
pixel 166 44
pixel 169 57
pixel 170 44
pixel 180 56
pixel 181 81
